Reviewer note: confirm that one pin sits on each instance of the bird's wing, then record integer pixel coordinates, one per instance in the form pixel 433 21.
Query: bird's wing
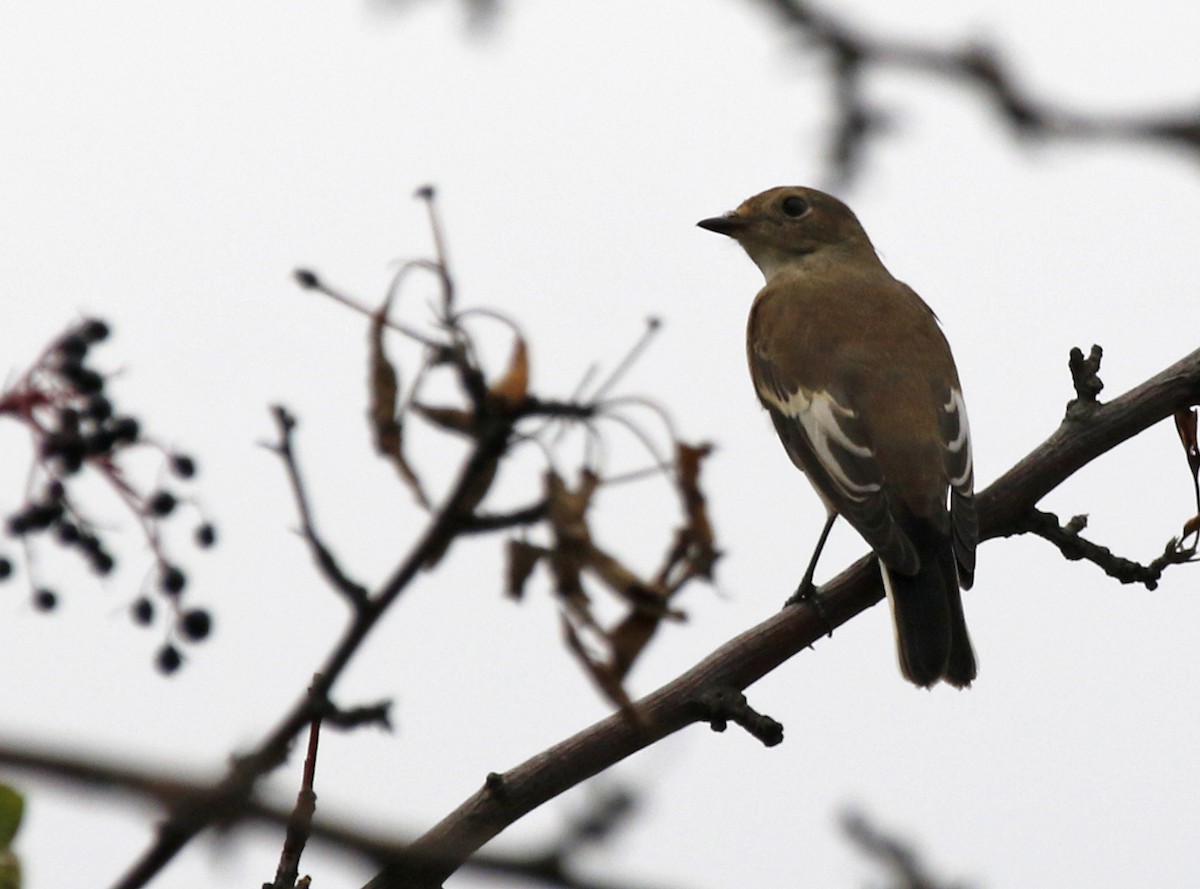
pixel 826 438
pixel 960 472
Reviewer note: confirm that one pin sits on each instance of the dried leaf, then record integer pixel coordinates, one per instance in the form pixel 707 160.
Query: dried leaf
pixel 513 386
pixel 1185 425
pixel 567 509
pixel 384 401
pixel 616 576
pixel 522 559
pixel 574 553
pixel 451 419
pixel 630 637
pixel 701 545
pixel 572 542
pixel 602 674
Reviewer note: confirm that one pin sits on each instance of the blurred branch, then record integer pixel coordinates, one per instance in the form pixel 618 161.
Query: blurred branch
pixel 299 824
pixel 1003 510
pixel 899 858
pixel 854 53
pixel 354 592
pixel 551 866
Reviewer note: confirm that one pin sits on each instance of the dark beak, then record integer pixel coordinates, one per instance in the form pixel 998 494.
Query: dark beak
pixel 729 224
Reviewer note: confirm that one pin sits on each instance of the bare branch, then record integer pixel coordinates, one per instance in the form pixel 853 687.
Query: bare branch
pixel 1074 547
pixel 855 53
pixel 169 789
pixel 900 859
pixel 355 593
pixel 727 704
pixel 299 826
pixel 1003 508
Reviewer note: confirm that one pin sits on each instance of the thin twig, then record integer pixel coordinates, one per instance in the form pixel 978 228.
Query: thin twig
pixel 300 823
pixel 652 327
pixel 1074 546
pixel 310 281
pixel 355 593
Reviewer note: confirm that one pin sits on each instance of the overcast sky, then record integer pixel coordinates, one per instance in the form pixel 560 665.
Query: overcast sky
pixel 166 168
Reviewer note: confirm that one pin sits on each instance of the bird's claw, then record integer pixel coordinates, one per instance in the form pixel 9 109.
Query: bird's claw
pixel 808 594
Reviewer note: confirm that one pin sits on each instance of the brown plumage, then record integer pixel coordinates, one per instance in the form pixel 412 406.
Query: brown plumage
pixel 862 389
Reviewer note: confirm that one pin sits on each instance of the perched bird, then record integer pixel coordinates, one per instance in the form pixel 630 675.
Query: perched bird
pixel 863 391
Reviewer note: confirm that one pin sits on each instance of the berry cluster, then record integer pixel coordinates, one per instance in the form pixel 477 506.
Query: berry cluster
pixel 76 426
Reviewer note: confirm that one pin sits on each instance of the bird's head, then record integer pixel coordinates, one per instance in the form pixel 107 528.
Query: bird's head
pixel 793 226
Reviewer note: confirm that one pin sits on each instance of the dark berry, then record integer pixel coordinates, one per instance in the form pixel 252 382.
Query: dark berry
pixel 99 442
pixel 143 611
pixel 162 503
pixel 85 380
pixel 18 524
pixel 71 463
pixel 68 420
pixel 172 581
pixel 98 408
pixel 169 659
pixel 307 279
pixel 73 348
pixel 43 515
pixel 126 429
pixel 68 447
pixel 93 330
pixel 206 535
pixel 195 624
pixel 55 490
pixel 68 533
pixel 6 568
pixel 102 562
pixel 45 600
pixel 184 466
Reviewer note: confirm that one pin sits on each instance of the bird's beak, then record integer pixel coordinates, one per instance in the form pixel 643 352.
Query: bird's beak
pixel 730 224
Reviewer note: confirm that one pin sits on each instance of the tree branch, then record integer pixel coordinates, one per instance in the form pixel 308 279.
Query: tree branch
pixel 329 567
pixel 1003 510
pixel 855 52
pixel 549 867
pixel 1074 547
pixel 227 799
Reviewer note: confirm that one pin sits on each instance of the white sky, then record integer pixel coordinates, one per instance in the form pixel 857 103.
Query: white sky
pixel 168 168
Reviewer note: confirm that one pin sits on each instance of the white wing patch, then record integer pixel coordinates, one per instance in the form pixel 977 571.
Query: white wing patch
pixel 820 416
pixel 960 446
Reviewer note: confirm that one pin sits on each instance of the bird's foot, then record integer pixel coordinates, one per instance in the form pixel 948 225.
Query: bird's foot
pixel 808 594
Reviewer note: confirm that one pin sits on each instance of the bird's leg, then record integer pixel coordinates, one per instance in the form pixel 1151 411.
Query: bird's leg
pixel 806 593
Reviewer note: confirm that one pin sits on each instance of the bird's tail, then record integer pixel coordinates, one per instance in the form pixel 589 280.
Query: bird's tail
pixel 931 632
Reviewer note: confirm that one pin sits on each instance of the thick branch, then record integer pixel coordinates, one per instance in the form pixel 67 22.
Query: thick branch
pixel 1003 507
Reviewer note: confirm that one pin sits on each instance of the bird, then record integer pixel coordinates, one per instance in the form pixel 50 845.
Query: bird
pixel 862 388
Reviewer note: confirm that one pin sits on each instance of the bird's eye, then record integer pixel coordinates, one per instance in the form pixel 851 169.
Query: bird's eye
pixel 794 206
